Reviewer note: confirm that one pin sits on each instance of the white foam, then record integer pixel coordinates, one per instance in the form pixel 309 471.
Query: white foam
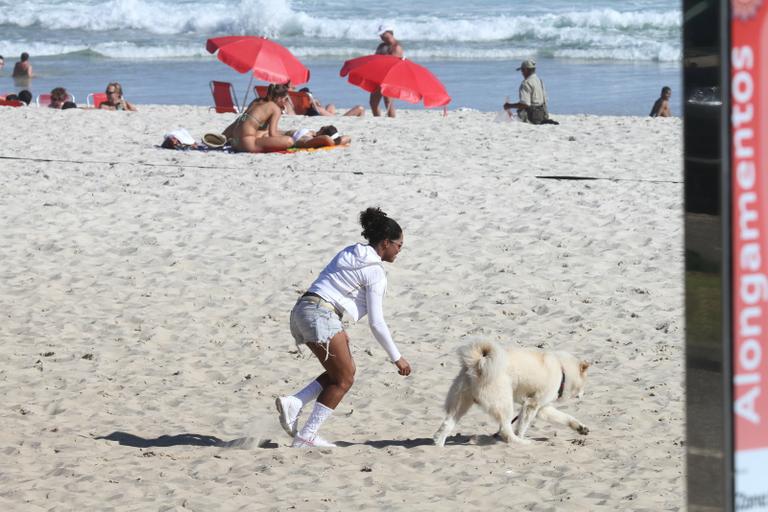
pixel 275 18
pixel 174 29
pixel 113 49
pixel 129 50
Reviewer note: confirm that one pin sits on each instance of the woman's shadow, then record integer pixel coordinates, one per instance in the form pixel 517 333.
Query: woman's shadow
pixel 126 439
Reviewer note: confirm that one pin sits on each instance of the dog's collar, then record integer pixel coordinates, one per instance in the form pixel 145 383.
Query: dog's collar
pixel 562 384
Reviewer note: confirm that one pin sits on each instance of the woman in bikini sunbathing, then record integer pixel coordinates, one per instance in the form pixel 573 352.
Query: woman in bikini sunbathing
pixel 255 130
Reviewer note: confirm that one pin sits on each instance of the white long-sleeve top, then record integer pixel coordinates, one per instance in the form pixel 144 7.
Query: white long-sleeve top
pixel 355 282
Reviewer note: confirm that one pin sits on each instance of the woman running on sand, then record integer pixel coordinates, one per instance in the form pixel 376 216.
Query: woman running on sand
pixel 353 282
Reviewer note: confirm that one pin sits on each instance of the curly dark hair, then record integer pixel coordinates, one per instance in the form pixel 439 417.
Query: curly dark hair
pixel 377 226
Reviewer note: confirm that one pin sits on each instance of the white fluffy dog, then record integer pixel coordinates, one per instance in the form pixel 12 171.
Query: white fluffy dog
pixel 496 378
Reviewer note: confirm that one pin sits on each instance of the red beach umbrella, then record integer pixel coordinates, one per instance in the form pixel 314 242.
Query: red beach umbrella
pixel 266 59
pixel 397 77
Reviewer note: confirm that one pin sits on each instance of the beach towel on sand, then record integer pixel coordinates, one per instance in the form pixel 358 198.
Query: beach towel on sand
pixel 228 149
pixel 302 150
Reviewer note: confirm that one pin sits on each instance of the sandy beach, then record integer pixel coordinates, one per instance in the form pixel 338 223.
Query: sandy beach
pixel 145 297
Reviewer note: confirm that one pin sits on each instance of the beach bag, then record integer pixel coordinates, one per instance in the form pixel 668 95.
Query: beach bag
pixel 537 114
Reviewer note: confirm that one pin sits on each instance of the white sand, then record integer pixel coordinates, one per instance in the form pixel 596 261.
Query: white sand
pixel 146 293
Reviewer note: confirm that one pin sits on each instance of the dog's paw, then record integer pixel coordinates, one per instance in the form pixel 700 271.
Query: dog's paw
pixel 582 429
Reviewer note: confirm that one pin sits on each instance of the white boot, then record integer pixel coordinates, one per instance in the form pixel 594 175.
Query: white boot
pixel 315 442
pixel 289 407
pixel 308 437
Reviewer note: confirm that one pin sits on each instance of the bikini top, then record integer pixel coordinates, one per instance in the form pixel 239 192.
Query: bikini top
pixel 245 116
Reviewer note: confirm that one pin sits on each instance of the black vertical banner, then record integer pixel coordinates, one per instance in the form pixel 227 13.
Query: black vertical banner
pixel 709 447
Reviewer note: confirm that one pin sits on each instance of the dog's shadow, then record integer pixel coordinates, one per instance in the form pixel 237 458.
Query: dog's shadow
pixel 126 439
pixel 455 440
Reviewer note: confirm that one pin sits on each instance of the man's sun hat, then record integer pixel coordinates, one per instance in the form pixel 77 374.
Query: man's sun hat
pixel 385 28
pixel 214 140
pixel 527 64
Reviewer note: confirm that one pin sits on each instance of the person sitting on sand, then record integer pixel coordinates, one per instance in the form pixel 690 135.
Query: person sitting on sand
pixel 256 129
pixel 324 137
pixel 59 96
pixel 353 282
pixel 317 108
pixel 115 100
pixel 532 105
pixel 661 106
pixel 25 96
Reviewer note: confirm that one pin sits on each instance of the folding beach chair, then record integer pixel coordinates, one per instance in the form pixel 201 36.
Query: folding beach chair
pixel 302 101
pixel 95 99
pixel 224 97
pixel 43 100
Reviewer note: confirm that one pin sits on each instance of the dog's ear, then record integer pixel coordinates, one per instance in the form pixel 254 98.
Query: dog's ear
pixel 583 367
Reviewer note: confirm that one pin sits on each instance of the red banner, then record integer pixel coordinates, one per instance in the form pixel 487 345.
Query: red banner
pixel 749 161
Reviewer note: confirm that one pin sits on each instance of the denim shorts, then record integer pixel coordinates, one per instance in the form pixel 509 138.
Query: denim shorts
pixel 314 323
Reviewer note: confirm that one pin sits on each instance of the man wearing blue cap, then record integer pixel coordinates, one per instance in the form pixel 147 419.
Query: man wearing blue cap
pixel 532 107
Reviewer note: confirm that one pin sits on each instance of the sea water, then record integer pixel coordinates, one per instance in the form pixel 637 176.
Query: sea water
pixel 604 57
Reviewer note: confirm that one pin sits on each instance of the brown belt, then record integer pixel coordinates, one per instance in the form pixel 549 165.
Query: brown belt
pixel 316 299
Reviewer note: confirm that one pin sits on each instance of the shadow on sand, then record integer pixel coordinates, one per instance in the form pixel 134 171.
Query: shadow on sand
pixel 458 439
pixel 135 441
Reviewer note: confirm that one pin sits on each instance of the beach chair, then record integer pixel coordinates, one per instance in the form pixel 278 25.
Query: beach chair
pixel 224 97
pixel 302 101
pixel 43 100
pixel 11 103
pixel 95 99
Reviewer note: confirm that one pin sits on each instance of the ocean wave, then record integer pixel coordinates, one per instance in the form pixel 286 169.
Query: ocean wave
pixel 157 29
pixel 110 50
pixel 132 51
pixel 277 19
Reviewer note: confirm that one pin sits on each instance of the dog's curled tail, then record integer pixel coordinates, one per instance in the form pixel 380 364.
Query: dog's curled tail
pixel 484 360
